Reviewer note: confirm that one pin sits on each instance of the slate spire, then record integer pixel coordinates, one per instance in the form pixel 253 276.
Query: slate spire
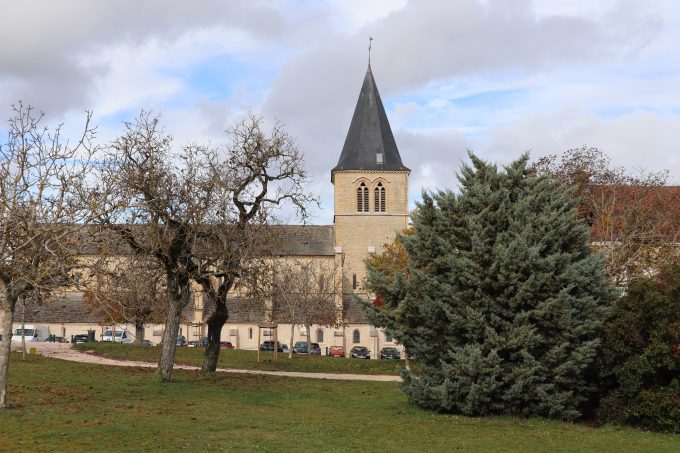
pixel 370 144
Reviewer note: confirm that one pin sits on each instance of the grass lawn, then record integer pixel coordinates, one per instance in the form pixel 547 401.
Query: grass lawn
pixel 236 358
pixel 71 407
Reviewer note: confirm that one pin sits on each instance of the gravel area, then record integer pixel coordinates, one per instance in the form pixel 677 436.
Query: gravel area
pixel 63 351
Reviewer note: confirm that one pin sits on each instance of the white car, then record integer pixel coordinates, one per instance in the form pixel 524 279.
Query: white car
pixel 32 334
pixel 121 336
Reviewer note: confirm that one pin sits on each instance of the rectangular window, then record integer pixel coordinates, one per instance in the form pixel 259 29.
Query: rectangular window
pixel 378 158
pixel 354 281
pixel 250 333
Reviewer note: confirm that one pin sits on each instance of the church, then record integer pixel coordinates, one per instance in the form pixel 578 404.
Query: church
pixel 370 206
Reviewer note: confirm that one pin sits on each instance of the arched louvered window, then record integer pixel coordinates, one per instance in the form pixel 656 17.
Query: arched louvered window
pixel 376 199
pixel 356 336
pixel 362 198
pixel 319 336
pixel 383 200
pixel 379 198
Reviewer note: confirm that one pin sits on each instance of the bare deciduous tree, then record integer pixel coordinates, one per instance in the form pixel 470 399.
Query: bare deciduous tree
pixel 127 289
pixel 305 292
pixel 253 174
pixel 42 210
pixel 200 213
pixel 634 217
pixel 156 199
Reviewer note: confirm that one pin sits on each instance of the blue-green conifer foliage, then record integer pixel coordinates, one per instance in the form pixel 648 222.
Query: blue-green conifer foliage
pixel 504 300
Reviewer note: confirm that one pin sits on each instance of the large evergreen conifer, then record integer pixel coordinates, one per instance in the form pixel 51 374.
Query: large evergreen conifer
pixel 503 300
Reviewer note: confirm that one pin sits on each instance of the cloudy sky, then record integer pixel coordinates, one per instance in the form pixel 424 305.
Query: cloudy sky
pixel 495 76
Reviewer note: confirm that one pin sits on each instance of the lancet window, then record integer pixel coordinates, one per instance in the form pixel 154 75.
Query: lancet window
pixel 362 198
pixel 379 198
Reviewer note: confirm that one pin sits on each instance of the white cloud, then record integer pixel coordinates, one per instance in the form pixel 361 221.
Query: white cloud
pixel 640 140
pixel 352 15
pixel 495 76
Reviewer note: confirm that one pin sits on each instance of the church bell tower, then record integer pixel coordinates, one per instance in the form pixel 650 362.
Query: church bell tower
pixel 370 187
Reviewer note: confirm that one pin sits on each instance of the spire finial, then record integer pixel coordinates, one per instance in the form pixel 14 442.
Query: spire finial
pixel 370 41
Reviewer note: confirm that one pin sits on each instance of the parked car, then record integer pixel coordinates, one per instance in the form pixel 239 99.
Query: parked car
pixel 300 347
pixel 336 351
pixel 32 334
pixel 202 343
pixel 119 336
pixel 226 345
pixel 80 338
pixel 181 341
pixel 390 353
pixel 269 346
pixel 360 352
pixel 146 343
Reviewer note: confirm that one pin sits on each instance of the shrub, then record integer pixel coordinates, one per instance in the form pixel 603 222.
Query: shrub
pixel 640 362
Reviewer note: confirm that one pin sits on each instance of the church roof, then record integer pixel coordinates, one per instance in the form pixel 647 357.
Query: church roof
pixel 370 144
pixel 302 240
pixel 282 240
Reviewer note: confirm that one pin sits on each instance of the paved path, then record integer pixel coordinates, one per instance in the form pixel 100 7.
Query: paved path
pixel 63 351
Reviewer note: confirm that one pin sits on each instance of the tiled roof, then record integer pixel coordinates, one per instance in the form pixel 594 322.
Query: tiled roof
pixel 68 308
pixel 302 240
pixel 241 310
pixel 281 240
pixel 370 144
pixel 352 311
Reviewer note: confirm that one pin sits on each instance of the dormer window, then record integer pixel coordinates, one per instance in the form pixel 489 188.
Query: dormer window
pixel 379 198
pixel 362 198
pixel 379 158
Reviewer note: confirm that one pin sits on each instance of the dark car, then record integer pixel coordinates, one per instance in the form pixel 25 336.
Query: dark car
pixel 360 352
pixel 181 341
pixel 226 345
pixel 390 353
pixel 300 347
pixel 269 346
pixel 81 338
pixel 202 343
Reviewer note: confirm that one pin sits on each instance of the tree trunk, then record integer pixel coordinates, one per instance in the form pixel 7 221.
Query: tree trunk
pixel 139 334
pixel 292 334
pixel 6 347
pixel 215 321
pixel 308 328
pixel 178 298
pixel 23 330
